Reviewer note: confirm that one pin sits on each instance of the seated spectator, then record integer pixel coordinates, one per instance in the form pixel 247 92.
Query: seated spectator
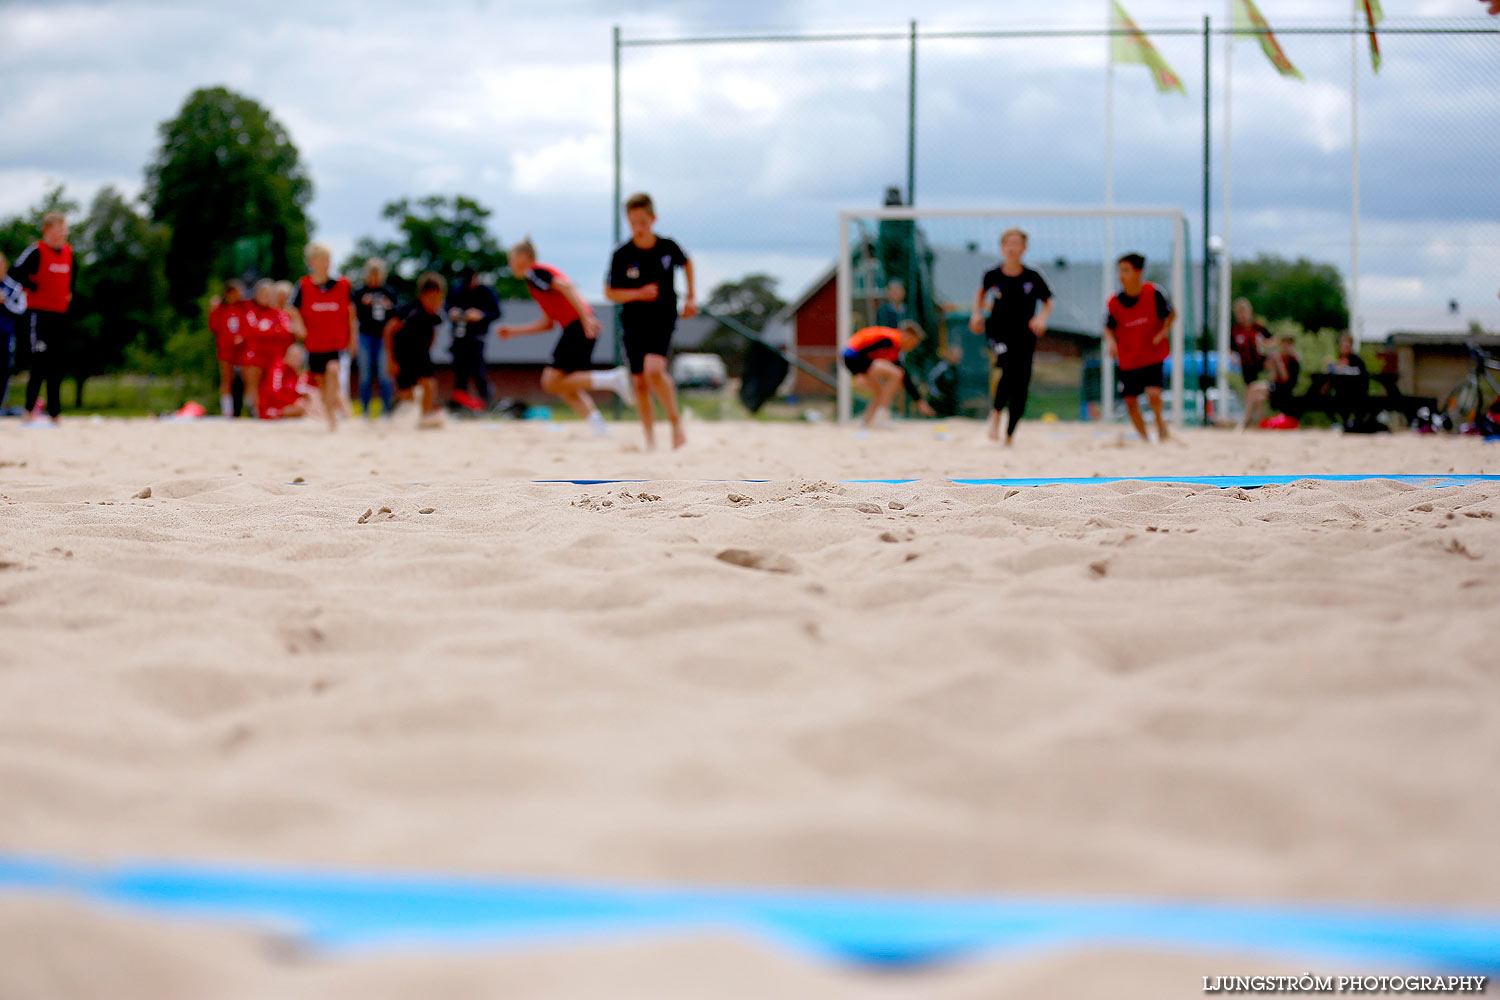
pixel 1348 385
pixel 1348 361
pixel 1252 343
pixel 286 390
pixel 1286 370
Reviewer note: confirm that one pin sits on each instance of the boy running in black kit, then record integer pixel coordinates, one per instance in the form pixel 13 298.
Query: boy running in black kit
pixel 408 345
pixel 642 282
pixel 1010 294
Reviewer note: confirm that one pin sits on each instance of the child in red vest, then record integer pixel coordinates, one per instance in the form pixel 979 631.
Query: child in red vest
pixel 46 271
pixel 226 323
pixel 325 310
pixel 571 374
pixel 286 390
pixel 1136 334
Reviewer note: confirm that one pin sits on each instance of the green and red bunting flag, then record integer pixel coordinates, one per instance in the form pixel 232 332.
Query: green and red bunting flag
pixel 1248 19
pixel 1373 16
pixel 1134 47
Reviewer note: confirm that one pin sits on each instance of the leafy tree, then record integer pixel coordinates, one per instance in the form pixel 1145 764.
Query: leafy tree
pixel 226 176
pixel 1309 293
pixel 752 300
pixel 437 233
pixel 20 231
pixel 121 296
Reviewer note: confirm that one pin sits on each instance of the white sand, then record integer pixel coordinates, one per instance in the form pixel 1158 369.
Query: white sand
pixel 1129 690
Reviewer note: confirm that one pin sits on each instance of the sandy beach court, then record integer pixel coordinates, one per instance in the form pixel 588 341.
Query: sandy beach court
pixel 393 650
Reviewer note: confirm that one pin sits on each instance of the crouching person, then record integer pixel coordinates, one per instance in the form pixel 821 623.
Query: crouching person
pixel 286 389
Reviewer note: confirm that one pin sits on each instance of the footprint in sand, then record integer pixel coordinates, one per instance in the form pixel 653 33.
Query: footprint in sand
pixel 761 559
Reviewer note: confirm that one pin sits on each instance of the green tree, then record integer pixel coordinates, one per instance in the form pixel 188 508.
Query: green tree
pixel 225 177
pixel 752 300
pixel 1307 292
pixel 20 231
pixel 121 296
pixel 437 233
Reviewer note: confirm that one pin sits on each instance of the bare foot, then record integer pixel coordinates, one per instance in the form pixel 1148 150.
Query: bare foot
pixel 679 437
pixel 1009 440
pixel 994 433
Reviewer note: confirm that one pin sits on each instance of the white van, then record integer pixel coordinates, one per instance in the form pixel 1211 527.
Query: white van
pixel 699 371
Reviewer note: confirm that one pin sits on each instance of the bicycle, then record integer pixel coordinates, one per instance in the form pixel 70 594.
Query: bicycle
pixel 1464 404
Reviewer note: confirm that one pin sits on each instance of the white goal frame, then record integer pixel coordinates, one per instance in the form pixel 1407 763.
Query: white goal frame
pixel 1107 369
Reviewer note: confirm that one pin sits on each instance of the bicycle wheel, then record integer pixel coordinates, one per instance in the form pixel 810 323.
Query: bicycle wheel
pixel 1461 404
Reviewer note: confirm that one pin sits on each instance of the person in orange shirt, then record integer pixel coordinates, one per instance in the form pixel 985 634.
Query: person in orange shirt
pixel 873 357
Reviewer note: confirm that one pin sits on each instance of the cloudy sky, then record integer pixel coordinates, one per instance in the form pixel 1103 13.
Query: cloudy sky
pixel 751 148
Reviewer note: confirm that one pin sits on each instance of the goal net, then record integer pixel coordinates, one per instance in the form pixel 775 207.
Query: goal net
pixel 940 257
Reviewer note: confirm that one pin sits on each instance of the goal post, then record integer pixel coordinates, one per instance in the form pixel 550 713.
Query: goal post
pixel 941 254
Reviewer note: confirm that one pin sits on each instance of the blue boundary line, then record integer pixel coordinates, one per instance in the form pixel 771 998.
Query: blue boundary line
pixel 1221 482
pixel 344 911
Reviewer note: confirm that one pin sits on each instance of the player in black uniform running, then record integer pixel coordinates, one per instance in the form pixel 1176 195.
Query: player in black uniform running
pixel 1005 311
pixel 641 282
pixel 408 346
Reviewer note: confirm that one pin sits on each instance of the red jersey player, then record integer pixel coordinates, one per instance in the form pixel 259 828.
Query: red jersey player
pixel 1136 332
pixel 286 390
pixel 571 374
pixel 324 307
pixel 225 322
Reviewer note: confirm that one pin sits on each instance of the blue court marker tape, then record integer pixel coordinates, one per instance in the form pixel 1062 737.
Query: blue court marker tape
pixel 342 912
pixel 1222 482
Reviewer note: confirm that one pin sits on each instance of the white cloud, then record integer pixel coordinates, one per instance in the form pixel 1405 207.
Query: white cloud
pixel 753 147
pixel 571 166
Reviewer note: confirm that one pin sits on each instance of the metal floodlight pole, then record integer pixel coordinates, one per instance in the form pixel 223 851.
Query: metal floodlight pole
pixel 911 121
pixel 614 208
pixel 844 291
pixel 1203 337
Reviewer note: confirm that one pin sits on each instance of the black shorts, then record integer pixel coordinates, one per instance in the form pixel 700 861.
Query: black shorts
pixel 317 361
pixel 1134 381
pixel 857 363
pixel 411 367
pixel 1252 370
pixel 651 340
pixel 575 349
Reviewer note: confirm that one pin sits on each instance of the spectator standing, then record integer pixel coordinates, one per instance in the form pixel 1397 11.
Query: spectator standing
pixel 472 309
pixel 47 273
pixel 12 308
pixel 893 312
pixel 374 305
